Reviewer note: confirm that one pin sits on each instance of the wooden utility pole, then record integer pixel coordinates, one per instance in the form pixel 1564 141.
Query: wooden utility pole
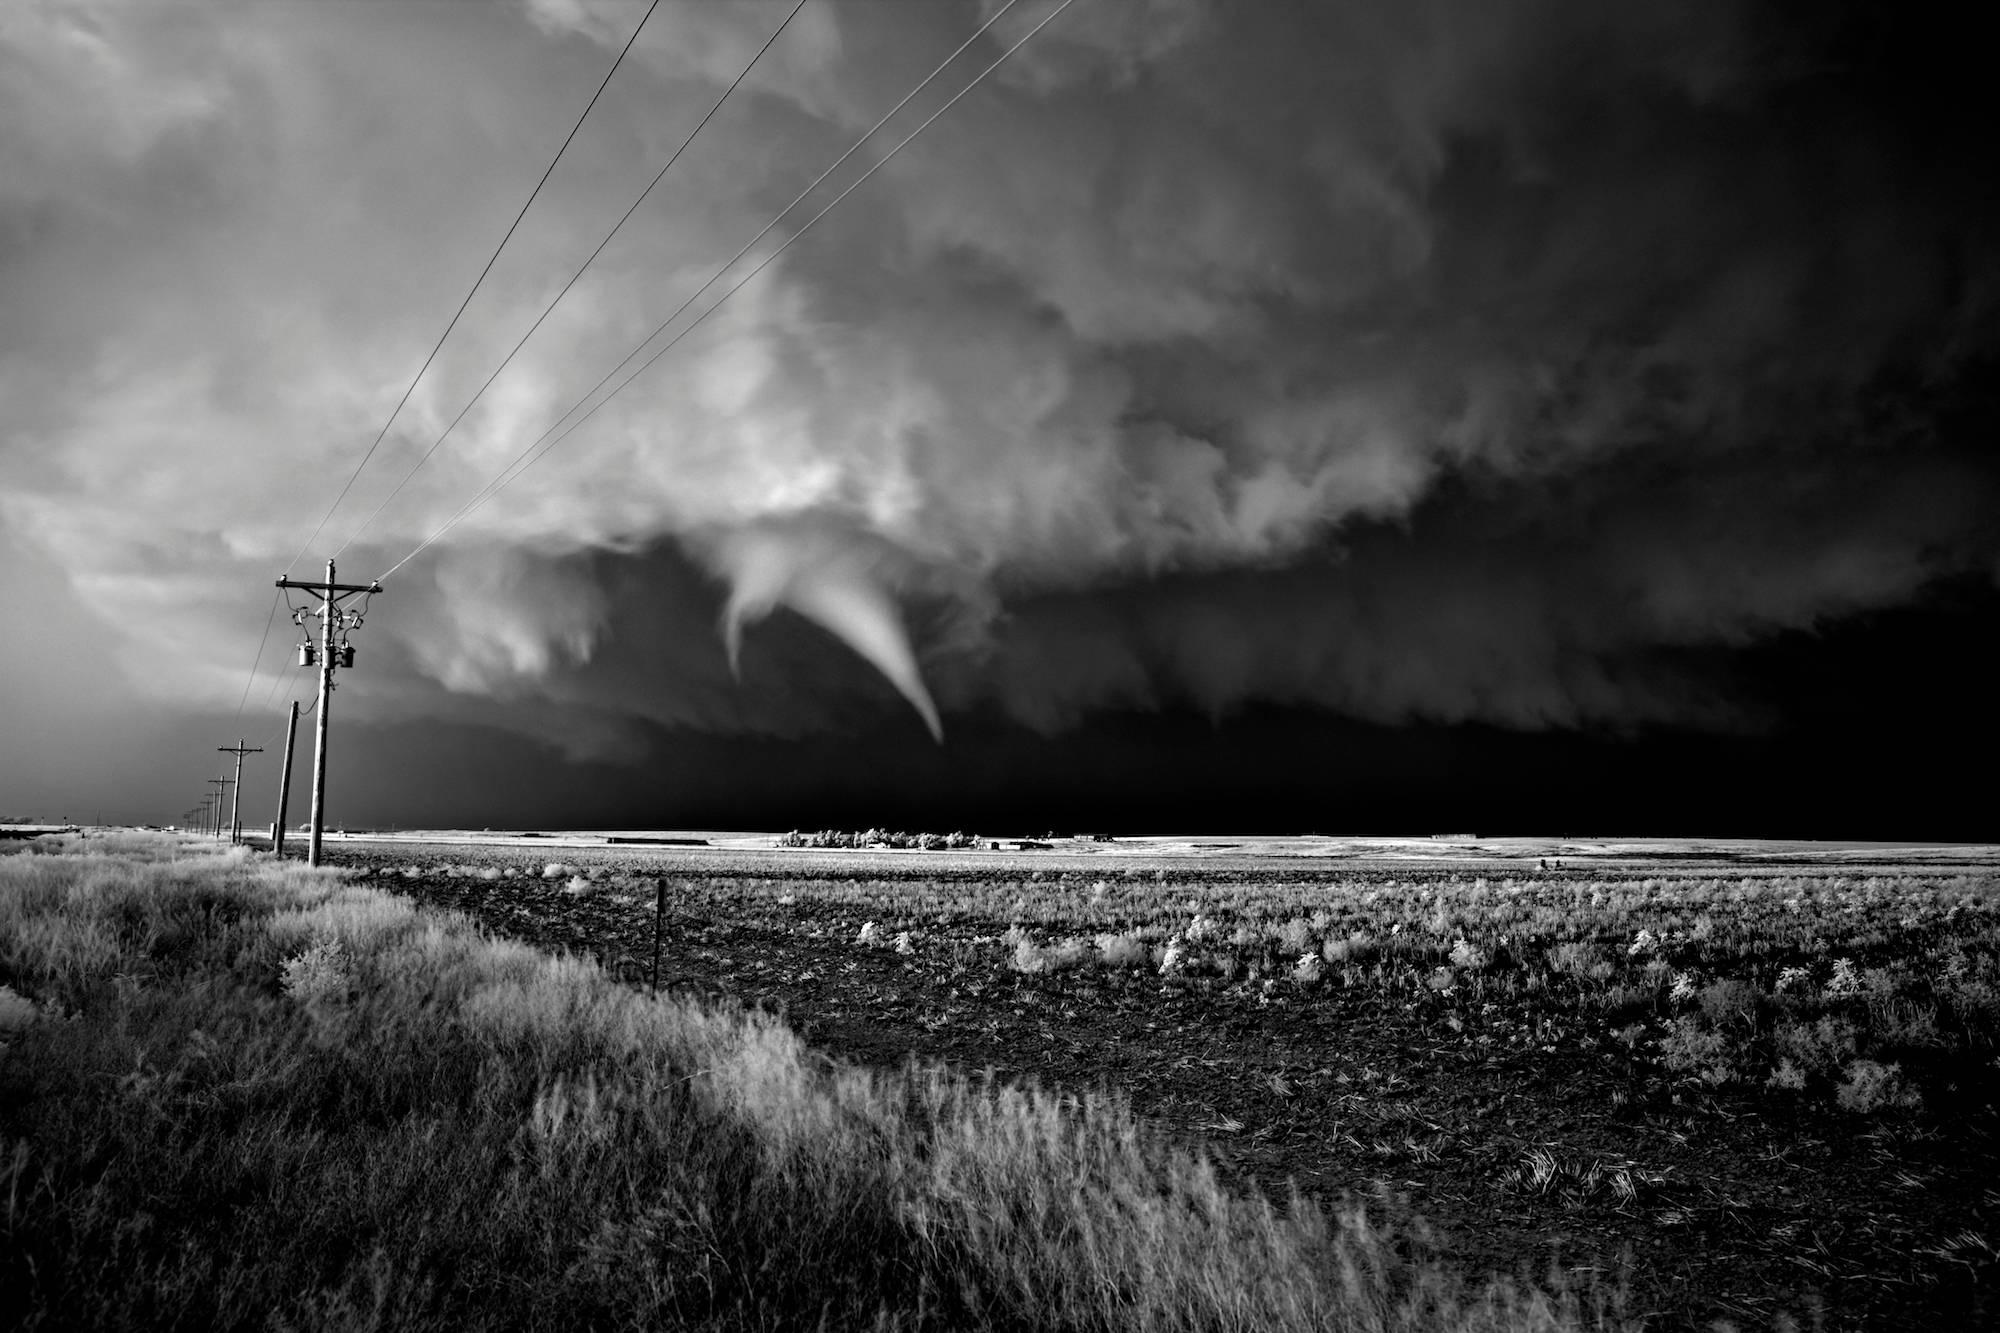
pixel 215 820
pixel 285 785
pixel 236 803
pixel 331 617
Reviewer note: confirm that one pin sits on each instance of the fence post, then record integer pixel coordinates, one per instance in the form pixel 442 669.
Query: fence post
pixel 659 920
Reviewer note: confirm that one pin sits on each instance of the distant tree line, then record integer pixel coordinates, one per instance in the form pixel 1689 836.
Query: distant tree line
pixel 877 837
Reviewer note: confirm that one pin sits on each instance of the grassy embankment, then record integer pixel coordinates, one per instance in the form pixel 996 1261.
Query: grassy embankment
pixel 239 1095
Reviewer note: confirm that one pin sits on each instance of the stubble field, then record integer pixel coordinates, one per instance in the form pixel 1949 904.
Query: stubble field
pixel 1755 1087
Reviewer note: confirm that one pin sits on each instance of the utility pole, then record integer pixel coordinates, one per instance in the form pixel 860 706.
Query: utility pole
pixel 285 786
pixel 215 823
pixel 236 806
pixel 332 617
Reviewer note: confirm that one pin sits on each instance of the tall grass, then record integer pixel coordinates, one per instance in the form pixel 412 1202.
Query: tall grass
pixel 252 1096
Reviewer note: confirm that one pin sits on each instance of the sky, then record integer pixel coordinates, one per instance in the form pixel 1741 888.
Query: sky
pixel 1348 416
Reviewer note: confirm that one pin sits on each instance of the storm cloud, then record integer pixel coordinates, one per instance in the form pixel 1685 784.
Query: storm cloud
pixel 1446 361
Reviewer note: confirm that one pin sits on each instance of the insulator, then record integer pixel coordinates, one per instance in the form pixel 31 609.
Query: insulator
pixel 308 655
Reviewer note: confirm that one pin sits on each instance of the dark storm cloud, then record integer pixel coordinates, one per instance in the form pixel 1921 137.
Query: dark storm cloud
pixel 1527 614
pixel 1450 361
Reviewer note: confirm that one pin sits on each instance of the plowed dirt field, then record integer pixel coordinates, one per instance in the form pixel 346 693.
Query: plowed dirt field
pixel 1528 1131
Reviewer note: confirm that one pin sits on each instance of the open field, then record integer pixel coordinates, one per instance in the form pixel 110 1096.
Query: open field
pixel 1066 851
pixel 1759 1078
pixel 239 1095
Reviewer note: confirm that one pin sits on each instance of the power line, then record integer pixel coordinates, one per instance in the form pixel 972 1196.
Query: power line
pixel 277 683
pixel 538 448
pixel 574 278
pixel 273 693
pixel 269 735
pixel 278 680
pixel 257 659
pixel 491 260
pixel 501 480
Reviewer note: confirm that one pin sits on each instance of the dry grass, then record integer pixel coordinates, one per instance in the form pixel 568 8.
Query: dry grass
pixel 259 1097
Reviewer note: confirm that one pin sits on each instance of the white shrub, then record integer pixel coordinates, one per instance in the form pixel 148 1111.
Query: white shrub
pixel 1871 1086
pixel 16 1011
pixel 1126 950
pixel 1786 1075
pixel 1358 945
pixel 1070 953
pixel 1028 956
pixel 319 973
pixel 1295 936
pixel 1032 957
pixel 1845 980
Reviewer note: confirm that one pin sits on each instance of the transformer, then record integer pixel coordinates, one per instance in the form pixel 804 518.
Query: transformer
pixel 308 655
pixel 344 655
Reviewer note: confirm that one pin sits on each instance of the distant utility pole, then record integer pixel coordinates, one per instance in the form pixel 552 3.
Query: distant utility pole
pixel 236 806
pixel 215 821
pixel 332 619
pixel 285 786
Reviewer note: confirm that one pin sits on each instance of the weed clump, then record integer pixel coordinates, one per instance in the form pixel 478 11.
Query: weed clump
pixel 1815 1048
pixel 318 975
pixel 1688 1048
pixel 1871 1087
pixel 16 1011
pixel 1126 950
